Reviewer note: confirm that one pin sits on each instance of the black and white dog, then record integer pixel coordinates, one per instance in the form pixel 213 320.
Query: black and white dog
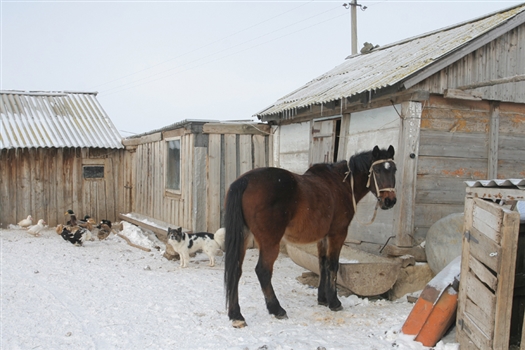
pixel 188 243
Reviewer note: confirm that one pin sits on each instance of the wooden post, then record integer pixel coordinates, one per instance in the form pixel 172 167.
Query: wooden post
pixel 343 138
pixel 213 212
pixel 492 156
pixel 199 190
pixel 406 158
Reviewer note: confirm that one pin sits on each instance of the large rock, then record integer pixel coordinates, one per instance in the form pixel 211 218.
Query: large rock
pixel 443 242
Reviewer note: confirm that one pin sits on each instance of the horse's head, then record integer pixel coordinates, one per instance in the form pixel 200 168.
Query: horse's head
pixel 382 177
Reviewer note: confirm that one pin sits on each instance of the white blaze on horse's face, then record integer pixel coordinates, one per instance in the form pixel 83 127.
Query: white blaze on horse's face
pixel 387 165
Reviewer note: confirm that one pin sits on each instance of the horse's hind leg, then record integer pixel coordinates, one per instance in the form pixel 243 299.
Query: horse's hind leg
pixel 321 290
pixel 264 271
pixel 234 310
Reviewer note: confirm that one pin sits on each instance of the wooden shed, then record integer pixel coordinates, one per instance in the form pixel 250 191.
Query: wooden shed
pixel 180 173
pixel 451 102
pixel 58 151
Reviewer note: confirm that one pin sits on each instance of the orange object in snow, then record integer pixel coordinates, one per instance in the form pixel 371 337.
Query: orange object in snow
pixel 435 310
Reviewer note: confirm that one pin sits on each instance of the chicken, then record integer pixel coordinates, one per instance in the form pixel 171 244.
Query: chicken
pixel 36 229
pixel 88 222
pixel 104 229
pixel 78 238
pixel 26 222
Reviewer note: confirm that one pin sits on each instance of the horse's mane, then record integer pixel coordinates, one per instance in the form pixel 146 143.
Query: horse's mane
pixel 361 162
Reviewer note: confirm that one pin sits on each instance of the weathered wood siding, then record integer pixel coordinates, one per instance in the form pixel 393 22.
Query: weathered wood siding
pixel 458 141
pixel 501 58
pixel 210 161
pixel 46 182
pixel 149 191
pixel 230 155
pixel 511 141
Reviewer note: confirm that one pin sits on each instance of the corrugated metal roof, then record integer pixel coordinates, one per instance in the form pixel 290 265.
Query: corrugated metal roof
pixel 55 119
pixel 513 183
pixel 388 65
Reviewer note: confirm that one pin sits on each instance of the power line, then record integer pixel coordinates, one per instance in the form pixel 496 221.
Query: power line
pixel 146 80
pixel 234 53
pixel 201 47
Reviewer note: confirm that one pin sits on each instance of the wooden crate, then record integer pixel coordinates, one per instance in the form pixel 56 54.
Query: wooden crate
pixel 488 270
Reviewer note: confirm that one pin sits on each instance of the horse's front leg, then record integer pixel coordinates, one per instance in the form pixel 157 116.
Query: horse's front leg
pixel 329 265
pixel 264 271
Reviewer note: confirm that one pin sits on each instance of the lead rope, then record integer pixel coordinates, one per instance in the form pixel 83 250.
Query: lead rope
pixel 355 206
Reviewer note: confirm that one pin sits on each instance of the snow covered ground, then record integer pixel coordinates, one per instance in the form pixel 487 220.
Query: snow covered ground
pixel 109 295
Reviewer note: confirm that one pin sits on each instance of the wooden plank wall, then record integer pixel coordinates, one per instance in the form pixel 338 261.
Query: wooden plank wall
pixel 47 182
pixel 150 197
pixel 229 156
pixel 452 149
pixel 511 141
pixel 501 58
pixel 455 145
pixel 206 175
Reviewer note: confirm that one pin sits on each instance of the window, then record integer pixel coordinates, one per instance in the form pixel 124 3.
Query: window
pixel 93 171
pixel 173 165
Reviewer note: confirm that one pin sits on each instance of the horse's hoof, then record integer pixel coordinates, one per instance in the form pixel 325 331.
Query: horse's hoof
pixel 282 317
pixel 337 308
pixel 239 324
pixel 322 303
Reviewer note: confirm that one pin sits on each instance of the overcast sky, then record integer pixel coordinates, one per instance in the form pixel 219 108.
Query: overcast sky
pixel 155 63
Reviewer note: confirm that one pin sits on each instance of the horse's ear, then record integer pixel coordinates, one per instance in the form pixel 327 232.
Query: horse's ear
pixel 375 152
pixel 391 152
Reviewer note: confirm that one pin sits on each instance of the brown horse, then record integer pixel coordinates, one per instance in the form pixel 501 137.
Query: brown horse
pixel 273 203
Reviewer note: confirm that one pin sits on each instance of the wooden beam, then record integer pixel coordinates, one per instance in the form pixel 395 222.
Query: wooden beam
pixel 141 140
pixel 462 95
pixel 358 106
pixel 495 193
pixel 174 133
pixel 236 128
pixel 160 232
pixel 514 79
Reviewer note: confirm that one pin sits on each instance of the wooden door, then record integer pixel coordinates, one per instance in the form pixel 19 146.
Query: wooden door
pixel 487 275
pixel 98 200
pixel 324 135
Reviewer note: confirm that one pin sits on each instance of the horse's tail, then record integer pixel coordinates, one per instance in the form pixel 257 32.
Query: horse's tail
pixel 234 239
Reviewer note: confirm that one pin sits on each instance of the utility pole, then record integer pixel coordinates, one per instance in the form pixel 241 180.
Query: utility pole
pixel 353 17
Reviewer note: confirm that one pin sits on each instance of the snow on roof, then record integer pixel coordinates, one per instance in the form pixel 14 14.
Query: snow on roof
pixel 55 119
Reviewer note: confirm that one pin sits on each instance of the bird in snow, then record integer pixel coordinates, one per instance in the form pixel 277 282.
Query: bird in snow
pixel 36 229
pixel 26 222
